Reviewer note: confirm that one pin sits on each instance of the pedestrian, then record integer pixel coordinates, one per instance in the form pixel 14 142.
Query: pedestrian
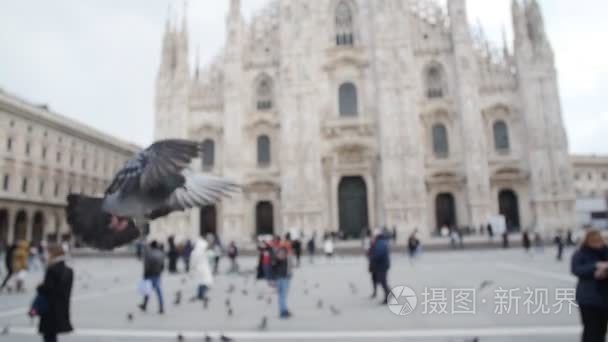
pixel 154 264
pixel 559 243
pixel 505 239
pixel 8 263
pixel 413 245
pixel 590 266
pixel 172 254
pixel 281 275
pixel 265 261
pixel 569 238
pixel 380 261
pixel 20 263
pixel 296 244
pixel 490 232
pixel 55 292
pixel 453 237
pixel 233 253
pixel 186 252
pixel 201 269
pixel 328 246
pixel 311 247
pixel 216 249
pixel 538 243
pixel 525 241
pixel 370 263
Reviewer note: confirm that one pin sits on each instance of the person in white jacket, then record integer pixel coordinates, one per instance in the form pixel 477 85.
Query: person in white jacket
pixel 200 269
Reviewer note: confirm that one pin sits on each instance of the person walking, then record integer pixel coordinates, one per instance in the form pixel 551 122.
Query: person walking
pixel 590 266
pixel 559 243
pixel 55 291
pixel 201 269
pixel 266 254
pixel 281 275
pixel 538 243
pixel 296 245
pixel 311 247
pixel 154 264
pixel 525 241
pixel 370 264
pixel 233 253
pixel 20 263
pixel 328 246
pixel 186 253
pixel 8 263
pixel 413 245
pixel 172 254
pixel 380 261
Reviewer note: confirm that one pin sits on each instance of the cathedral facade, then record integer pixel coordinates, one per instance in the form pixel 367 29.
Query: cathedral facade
pixel 340 115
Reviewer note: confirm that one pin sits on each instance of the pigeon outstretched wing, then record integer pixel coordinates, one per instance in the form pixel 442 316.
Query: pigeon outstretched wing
pixel 200 190
pixel 157 170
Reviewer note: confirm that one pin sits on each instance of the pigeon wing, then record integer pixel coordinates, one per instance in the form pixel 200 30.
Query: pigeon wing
pixel 157 169
pixel 200 190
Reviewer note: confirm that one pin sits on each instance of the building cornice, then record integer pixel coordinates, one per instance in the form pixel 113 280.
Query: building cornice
pixel 19 107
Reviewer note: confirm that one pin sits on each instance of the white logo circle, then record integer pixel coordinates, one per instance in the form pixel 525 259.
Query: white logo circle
pixel 402 300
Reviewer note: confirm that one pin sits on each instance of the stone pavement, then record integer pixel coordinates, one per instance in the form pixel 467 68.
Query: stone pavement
pixel 105 293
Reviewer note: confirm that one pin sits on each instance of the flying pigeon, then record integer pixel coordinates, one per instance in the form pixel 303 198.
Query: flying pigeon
pixel 154 183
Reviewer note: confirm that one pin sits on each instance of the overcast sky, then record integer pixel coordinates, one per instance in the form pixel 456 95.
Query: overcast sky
pixel 96 60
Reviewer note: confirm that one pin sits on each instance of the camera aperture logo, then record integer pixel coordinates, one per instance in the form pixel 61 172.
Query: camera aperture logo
pixel 402 300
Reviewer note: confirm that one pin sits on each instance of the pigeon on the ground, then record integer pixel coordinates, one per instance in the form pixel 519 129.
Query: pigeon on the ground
pixel 245 292
pixel 306 292
pixel 268 300
pixel 485 284
pixel 225 338
pixel 260 297
pixel 207 338
pixel 180 338
pixel 227 302
pixel 334 310
pixel 205 303
pixel 317 285
pixel 178 298
pixel 353 288
pixel 320 304
pixel 6 330
pixel 153 184
pixel 264 324
pixel 230 312
pixel 231 289
pixel 130 317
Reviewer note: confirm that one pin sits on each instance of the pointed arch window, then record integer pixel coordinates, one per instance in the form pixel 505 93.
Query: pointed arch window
pixel 264 155
pixel 208 151
pixel 264 94
pixel 347 98
pixel 441 148
pixel 501 137
pixel 435 82
pixel 344 24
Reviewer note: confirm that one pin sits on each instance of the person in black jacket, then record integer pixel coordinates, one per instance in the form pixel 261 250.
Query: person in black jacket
pixel 380 262
pixel 590 266
pixel 8 261
pixel 154 264
pixel 56 291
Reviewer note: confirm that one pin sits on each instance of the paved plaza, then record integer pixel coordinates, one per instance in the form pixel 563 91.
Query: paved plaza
pixel 460 295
